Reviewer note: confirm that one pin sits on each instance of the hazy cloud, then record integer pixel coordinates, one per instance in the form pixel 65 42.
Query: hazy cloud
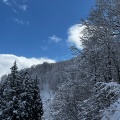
pixel 7 60
pixel 74 35
pixel 6 2
pixel 20 21
pixel 17 4
pixel 23 7
pixel 44 47
pixel 55 39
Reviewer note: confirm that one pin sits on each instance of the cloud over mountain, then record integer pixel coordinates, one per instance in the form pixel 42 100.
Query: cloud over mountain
pixel 7 60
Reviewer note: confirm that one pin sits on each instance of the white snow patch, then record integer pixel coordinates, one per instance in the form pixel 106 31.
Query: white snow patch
pixel 47 97
pixel 46 93
pixel 113 112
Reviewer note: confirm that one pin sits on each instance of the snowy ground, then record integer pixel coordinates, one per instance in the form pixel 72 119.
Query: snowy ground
pixel 46 93
pixel 47 96
pixel 113 112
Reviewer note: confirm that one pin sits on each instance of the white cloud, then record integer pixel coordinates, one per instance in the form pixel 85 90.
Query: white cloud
pixel 55 39
pixel 6 2
pixel 22 22
pixel 7 60
pixel 74 35
pixel 44 48
pixel 23 7
pixel 17 4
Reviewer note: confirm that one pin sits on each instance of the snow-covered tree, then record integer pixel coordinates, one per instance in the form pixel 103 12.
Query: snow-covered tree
pixel 20 97
pixel 37 108
pixel 66 100
pixel 93 107
pixel 11 90
pixel 99 59
pixel 101 46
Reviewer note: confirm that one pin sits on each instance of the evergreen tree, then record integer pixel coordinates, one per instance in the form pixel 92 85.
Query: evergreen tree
pixel 10 95
pixel 37 110
pixel 20 97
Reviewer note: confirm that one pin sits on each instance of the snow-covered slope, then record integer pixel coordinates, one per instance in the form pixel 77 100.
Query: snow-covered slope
pixel 113 112
pixel 47 97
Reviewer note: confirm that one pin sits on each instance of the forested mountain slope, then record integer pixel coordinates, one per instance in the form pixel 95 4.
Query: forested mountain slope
pixel 65 79
pixel 54 74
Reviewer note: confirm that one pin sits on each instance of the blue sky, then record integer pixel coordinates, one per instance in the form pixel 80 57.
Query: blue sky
pixel 39 28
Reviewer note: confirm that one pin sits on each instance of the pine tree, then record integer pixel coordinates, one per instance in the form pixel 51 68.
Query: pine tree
pixel 37 110
pixel 10 95
pixel 20 97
